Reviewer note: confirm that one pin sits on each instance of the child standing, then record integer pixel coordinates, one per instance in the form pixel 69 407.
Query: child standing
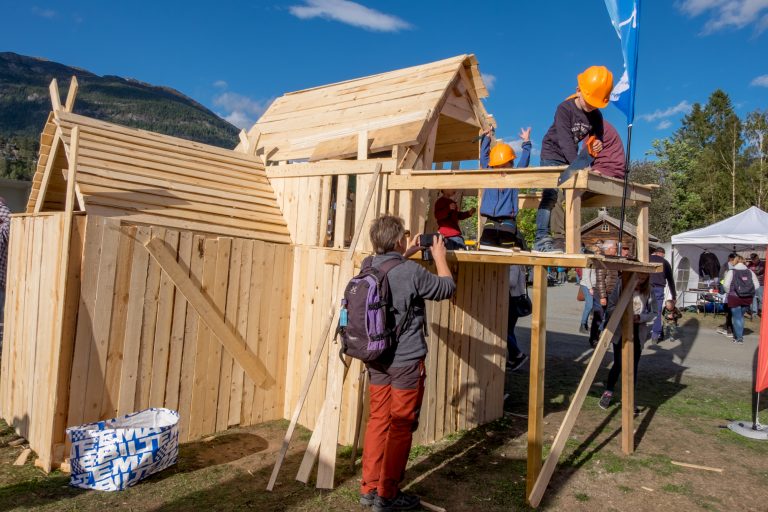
pixel 575 119
pixel 448 216
pixel 671 314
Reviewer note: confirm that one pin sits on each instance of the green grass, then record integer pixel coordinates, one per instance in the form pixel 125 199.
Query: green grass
pixel 685 489
pixel 582 496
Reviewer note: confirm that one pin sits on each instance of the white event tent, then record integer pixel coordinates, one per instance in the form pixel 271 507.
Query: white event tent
pixel 743 233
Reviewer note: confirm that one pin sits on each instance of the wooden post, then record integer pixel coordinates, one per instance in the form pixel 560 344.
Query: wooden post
pixel 71 95
pixel 642 234
pixel 536 382
pixel 534 497
pixel 340 224
pixel 627 374
pixel 573 221
pixel 55 95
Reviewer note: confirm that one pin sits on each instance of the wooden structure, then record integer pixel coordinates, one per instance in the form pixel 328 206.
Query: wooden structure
pixel 604 227
pixel 205 279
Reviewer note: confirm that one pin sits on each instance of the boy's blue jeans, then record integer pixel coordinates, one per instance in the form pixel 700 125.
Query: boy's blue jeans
pixel 737 313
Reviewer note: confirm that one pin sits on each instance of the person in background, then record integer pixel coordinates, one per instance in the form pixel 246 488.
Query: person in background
pixel 758 267
pixel 562 275
pixel 625 251
pixel 644 309
pixel 5 233
pixel 500 205
pixel 448 216
pixel 659 281
pixel 728 330
pixel 605 283
pixel 587 284
pixel 515 357
pixel 671 315
pixel 740 283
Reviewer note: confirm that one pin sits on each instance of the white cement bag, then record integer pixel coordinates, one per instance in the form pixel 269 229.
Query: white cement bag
pixel 114 454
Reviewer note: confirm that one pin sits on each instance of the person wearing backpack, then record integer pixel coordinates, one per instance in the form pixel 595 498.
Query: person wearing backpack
pixel 740 283
pixel 396 377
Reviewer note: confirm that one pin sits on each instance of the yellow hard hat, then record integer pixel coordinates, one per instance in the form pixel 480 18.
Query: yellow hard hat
pixel 596 84
pixel 501 154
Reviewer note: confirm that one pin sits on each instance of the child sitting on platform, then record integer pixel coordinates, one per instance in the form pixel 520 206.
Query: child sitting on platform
pixel 671 314
pixel 448 216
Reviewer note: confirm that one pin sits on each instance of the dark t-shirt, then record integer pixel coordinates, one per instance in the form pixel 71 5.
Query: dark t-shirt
pixel 571 125
pixel 610 161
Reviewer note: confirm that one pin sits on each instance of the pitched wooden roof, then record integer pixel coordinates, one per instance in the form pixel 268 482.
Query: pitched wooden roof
pixel 324 122
pixel 602 216
pixel 161 180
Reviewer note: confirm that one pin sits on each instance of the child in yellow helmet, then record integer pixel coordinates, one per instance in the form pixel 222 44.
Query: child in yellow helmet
pixel 575 118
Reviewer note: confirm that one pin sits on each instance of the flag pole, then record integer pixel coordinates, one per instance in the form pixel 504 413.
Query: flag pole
pixel 626 186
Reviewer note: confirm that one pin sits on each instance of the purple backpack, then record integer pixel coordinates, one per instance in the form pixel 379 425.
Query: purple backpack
pixel 366 322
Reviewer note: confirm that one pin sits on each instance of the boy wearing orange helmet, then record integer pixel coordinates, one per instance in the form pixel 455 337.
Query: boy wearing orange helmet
pixel 499 206
pixel 575 119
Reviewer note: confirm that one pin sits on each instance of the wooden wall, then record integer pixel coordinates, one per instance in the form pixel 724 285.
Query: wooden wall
pixel 467 347
pixel 28 378
pixel 139 344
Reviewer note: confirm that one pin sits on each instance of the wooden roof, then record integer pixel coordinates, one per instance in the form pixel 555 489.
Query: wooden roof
pixel 394 107
pixel 602 216
pixel 157 179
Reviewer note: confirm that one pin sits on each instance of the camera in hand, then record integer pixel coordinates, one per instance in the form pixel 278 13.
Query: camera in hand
pixel 425 242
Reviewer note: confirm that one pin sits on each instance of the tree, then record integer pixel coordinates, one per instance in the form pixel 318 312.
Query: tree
pixel 756 135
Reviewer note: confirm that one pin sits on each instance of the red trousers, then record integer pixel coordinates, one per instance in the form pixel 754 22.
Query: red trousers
pixel 396 395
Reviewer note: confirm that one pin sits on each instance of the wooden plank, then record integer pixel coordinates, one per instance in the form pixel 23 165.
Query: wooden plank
pixel 252 366
pixel 243 300
pixel 178 329
pixel 256 293
pixel 102 318
pixel 230 317
pixel 133 323
pixel 115 358
pixel 643 248
pixel 537 492
pixel 189 355
pixel 328 168
pixel 573 221
pixel 47 172
pixel 342 204
pixel 69 104
pixel 627 373
pixel 325 206
pixel 53 88
pixel 536 381
pixel 149 322
pixel 261 399
pixel 162 345
pixel 84 331
pixel 203 342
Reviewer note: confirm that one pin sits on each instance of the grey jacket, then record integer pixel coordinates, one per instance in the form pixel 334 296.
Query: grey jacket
pixel 410 284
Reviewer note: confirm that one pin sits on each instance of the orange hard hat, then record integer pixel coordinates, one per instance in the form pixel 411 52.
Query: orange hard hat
pixel 596 84
pixel 501 154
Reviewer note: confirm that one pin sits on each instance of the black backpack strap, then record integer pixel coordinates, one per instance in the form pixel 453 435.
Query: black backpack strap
pixel 389 264
pixel 385 268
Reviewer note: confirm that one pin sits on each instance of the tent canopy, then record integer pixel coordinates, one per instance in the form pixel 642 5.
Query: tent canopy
pixel 749 227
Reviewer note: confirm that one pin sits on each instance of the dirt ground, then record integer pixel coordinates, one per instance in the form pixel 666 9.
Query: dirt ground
pixel 681 419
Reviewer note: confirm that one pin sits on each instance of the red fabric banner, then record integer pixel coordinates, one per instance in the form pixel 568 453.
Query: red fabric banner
pixel 761 382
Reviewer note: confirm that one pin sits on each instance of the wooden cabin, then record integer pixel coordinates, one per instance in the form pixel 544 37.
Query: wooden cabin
pixel 605 227
pixel 152 271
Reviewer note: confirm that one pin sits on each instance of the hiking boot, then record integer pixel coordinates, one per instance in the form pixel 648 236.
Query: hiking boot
pixel 403 501
pixel 738 341
pixel 516 362
pixel 605 400
pixel 368 498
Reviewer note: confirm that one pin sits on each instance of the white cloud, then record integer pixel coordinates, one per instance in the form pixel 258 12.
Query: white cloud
pixel 666 123
pixel 725 14
pixel 350 13
pixel 240 110
pixel 760 81
pixel 220 84
pixel 681 108
pixel 489 79
pixel 43 13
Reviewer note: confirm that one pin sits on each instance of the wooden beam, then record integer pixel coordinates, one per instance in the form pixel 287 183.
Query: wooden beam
pixel 74 144
pixel 643 247
pixel 476 179
pixel 209 314
pixel 534 496
pixel 536 381
pixel 55 96
pixel 573 221
pixel 71 95
pixel 329 168
pixel 627 372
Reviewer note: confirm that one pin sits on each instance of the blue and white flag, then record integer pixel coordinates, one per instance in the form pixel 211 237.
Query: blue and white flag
pixel 625 19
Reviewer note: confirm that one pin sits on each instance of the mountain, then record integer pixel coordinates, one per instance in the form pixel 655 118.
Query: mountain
pixel 25 104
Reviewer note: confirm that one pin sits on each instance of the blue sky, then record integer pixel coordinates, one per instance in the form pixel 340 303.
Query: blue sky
pixel 235 57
